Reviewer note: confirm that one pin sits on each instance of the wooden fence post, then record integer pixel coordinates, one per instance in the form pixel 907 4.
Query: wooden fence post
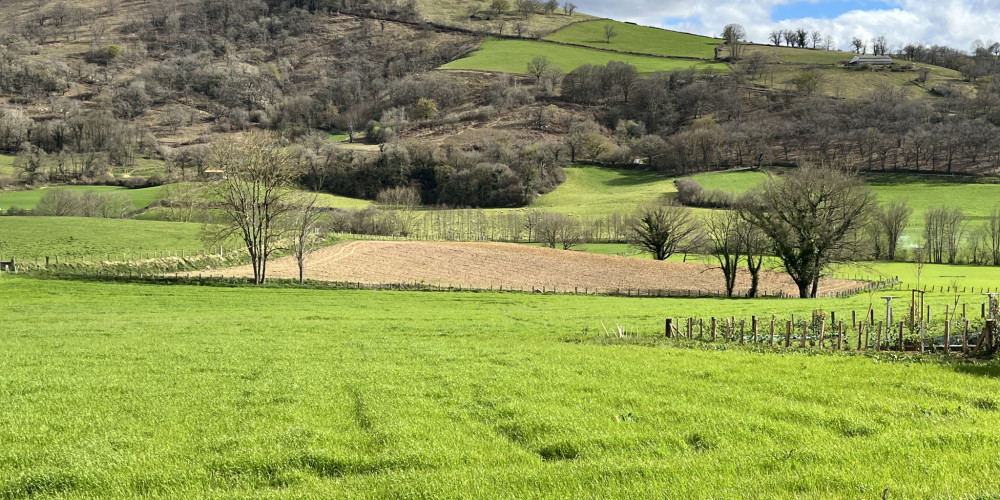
pixel 805 328
pixel 947 336
pixel 701 328
pixel 743 324
pixel 840 336
pixel 714 330
pixel 965 339
pixel 854 319
pixel 788 334
pixel 923 334
pixel 771 341
pixel 669 325
pixel 822 332
pixel 900 336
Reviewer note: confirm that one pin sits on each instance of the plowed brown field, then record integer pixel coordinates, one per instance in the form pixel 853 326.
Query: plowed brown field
pixel 486 265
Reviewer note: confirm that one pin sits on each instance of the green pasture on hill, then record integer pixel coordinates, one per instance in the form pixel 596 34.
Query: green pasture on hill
pixel 335 201
pixel 784 55
pixel 598 191
pixel 125 390
pixel 141 198
pixel 31 237
pixel 638 39
pixel 7 166
pixel 513 56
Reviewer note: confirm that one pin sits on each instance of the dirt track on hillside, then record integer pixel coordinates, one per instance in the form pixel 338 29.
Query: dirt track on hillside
pixel 495 265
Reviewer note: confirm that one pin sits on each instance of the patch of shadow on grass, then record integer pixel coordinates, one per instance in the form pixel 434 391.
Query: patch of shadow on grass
pixel 524 433
pixel 46 483
pixel 364 419
pixel 254 473
pixel 334 467
pixel 980 369
pixel 988 404
pixel 848 428
pixel 699 442
pixel 563 450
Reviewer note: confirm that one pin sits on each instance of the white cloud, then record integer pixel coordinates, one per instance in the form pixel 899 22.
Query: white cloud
pixel 956 23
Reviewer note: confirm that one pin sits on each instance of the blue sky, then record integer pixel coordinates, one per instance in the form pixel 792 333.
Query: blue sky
pixel 827 10
pixel 956 23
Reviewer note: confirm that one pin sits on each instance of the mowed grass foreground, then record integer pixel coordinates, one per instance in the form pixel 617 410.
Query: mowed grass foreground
pixel 118 390
pixel 513 56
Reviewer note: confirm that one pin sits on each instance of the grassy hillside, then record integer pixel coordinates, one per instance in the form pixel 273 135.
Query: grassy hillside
pixel 30 237
pixel 7 166
pixel 640 39
pixel 133 390
pixel 456 13
pixel 596 191
pixel 513 56
pixel 787 63
pixel 141 198
pixel 334 201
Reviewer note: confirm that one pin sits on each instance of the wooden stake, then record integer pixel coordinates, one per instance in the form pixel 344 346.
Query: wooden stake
pixel 714 330
pixel 965 339
pixel 822 332
pixel 854 319
pixel 947 337
pixel 788 335
pixel 701 328
pixel 771 342
pixel 923 333
pixel 754 326
pixel 840 336
pixel 743 324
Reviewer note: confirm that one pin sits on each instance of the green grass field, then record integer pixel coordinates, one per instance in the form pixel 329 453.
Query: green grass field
pixel 167 391
pixel 31 237
pixel 597 191
pixel 334 201
pixel 638 39
pixel 513 56
pixel 7 166
pixel 457 14
pixel 141 198
pixel 799 56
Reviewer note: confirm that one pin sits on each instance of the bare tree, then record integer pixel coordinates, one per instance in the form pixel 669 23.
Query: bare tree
pixel 722 232
pixel 775 37
pixel 992 230
pixel 661 229
pixel 858 44
pixel 301 220
pixel 810 216
pixel 734 35
pixel 816 38
pixel 538 66
pixel 943 231
pixel 498 6
pixel 569 8
pixel 893 218
pixel 253 198
pixel 609 32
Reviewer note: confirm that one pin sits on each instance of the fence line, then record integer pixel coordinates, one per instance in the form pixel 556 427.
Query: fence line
pixel 825 332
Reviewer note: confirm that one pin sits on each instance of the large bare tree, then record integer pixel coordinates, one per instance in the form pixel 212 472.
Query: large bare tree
pixel 254 199
pixel 810 216
pixel 661 229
